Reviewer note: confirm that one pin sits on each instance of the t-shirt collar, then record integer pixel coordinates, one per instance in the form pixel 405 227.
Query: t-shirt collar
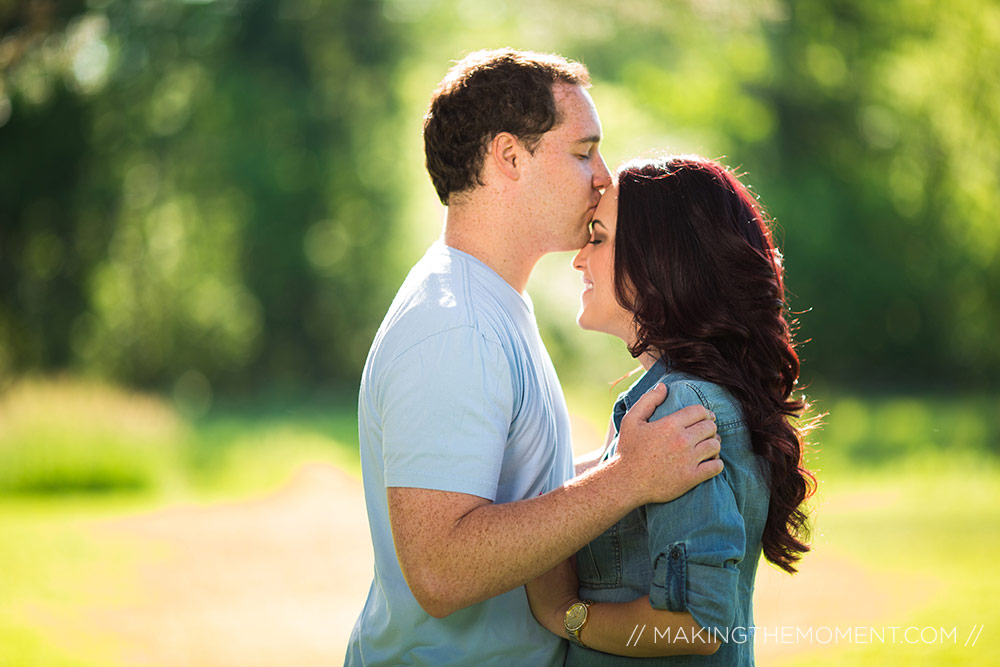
pixel 441 248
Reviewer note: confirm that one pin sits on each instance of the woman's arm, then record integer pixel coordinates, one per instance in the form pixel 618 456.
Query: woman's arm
pixel 695 544
pixel 631 629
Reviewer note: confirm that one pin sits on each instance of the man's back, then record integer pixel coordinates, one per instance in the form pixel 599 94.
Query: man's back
pixel 458 395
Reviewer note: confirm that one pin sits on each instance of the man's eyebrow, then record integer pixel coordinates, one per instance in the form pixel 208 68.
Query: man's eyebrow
pixel 593 139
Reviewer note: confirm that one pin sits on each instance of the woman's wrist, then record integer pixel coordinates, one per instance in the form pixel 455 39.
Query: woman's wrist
pixel 557 618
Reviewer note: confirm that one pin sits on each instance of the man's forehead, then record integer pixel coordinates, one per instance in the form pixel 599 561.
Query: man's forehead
pixel 577 114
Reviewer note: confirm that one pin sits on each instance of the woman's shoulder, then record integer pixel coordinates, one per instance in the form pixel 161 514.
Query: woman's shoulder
pixel 684 389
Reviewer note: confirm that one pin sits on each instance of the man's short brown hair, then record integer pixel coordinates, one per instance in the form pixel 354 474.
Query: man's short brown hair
pixel 484 94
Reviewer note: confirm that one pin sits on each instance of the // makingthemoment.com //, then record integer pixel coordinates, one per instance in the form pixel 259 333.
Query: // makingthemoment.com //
pixel 822 635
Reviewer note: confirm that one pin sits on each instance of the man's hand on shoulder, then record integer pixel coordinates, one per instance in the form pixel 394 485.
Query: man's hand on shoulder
pixel 667 457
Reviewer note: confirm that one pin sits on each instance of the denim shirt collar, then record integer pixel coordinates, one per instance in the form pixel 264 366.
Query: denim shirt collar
pixel 629 397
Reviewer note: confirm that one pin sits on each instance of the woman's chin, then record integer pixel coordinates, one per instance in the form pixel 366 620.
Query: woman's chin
pixel 588 324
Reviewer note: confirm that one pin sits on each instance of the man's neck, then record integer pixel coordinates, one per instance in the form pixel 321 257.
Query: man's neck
pixel 492 243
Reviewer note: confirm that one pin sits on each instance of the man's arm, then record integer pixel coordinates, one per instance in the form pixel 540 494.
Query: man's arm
pixel 456 549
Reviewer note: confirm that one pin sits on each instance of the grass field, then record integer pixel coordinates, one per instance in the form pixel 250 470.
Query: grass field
pixel 908 502
pixel 930 537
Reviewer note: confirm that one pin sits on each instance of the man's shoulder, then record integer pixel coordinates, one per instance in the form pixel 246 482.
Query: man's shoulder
pixel 444 292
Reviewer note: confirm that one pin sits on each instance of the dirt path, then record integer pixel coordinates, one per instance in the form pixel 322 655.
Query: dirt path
pixel 274 581
pixel 280 581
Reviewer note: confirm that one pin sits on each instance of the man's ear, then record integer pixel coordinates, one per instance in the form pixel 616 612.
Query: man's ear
pixel 508 155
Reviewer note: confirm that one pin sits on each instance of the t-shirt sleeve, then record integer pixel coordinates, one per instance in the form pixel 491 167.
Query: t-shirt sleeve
pixel 446 406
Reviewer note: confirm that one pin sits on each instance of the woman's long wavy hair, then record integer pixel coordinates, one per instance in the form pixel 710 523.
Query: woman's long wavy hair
pixel 696 265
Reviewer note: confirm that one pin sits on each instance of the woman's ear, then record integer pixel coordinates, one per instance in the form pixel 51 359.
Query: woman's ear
pixel 507 154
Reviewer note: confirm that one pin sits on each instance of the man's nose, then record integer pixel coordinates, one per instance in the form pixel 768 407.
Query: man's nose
pixel 602 177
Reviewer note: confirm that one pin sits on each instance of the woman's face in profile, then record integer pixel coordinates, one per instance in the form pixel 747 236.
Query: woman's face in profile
pixel 599 309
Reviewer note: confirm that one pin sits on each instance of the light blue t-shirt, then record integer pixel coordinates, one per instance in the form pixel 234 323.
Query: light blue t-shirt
pixel 458 394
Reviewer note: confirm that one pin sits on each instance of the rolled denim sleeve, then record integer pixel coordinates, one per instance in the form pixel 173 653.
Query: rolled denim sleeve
pixel 697 540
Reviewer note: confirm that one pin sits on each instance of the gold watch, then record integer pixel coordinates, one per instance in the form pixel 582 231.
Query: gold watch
pixel 575 619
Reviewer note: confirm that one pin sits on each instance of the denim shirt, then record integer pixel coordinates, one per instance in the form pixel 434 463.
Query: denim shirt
pixel 697 553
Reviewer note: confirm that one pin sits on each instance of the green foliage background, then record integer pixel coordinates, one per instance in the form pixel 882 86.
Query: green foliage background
pixel 219 197
pixel 207 205
pixel 183 192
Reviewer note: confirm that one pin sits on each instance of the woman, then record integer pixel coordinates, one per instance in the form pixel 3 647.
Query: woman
pixel 681 267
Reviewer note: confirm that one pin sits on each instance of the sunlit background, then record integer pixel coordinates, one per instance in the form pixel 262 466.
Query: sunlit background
pixel 206 207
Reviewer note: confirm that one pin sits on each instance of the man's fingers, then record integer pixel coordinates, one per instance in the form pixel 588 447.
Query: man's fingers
pixel 702 430
pixel 689 416
pixel 708 469
pixel 647 404
pixel 707 449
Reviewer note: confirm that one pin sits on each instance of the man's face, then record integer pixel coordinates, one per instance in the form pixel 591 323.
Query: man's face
pixel 567 174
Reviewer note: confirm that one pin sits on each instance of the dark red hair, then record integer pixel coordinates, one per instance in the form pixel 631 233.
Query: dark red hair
pixel 696 265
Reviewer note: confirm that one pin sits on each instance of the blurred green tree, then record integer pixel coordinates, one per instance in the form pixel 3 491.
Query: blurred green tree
pixel 202 188
pixel 870 131
pixel 213 191
pixel 884 166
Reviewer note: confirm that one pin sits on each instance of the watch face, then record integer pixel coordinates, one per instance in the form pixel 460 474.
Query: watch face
pixel 576 615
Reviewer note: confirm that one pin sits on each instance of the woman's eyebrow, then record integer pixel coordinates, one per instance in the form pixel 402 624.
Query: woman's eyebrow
pixel 595 221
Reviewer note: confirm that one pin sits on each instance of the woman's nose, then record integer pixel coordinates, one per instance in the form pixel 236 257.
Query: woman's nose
pixel 578 261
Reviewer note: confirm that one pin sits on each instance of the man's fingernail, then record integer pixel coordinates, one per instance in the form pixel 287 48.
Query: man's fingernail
pixel 713 415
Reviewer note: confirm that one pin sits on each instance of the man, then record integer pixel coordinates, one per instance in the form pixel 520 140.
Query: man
pixel 465 442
